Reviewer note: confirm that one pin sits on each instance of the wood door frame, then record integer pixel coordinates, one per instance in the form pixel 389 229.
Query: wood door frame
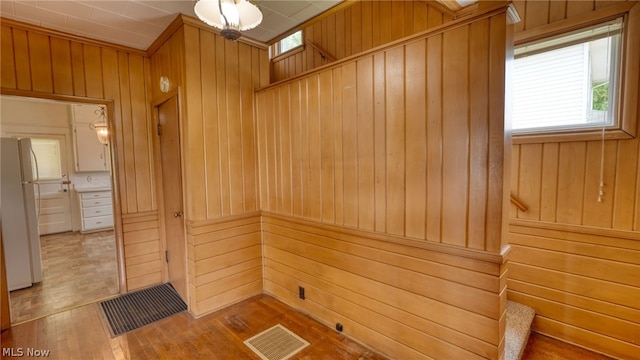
pixel 155 104
pixel 113 158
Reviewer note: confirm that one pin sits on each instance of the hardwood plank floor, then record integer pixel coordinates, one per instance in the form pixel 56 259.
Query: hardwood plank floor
pixel 541 347
pixel 80 333
pixel 77 269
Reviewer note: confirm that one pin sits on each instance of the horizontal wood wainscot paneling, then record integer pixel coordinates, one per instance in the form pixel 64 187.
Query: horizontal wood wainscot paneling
pixel 224 261
pixel 405 298
pixel 356 27
pixel 142 250
pixel 582 282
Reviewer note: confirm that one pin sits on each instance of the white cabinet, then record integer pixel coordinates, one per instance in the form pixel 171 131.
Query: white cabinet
pixel 90 154
pixel 96 210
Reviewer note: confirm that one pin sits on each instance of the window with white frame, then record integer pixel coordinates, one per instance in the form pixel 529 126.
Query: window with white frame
pixel 290 42
pixel 567 82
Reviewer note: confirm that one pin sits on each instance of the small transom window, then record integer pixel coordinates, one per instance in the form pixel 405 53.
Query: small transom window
pixel 290 42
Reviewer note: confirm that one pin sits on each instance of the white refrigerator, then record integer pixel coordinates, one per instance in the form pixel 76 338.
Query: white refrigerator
pixel 20 235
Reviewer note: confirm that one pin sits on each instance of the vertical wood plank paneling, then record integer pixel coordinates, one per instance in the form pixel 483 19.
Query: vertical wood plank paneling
pixel 271 155
pixel 22 60
pixel 211 128
pixel 77 63
pixel 7 61
pixel 575 8
pixel 434 138
pixel 499 164
pixel 455 136
pixel 367 25
pixel 349 145
pixel 62 69
pixel 385 22
pixel 416 144
pixel 304 146
pixel 359 27
pixel 478 132
pixel 327 147
pixel 93 71
pixel 380 142
pixel 397 19
pixel 357 32
pixel 395 139
pixel 599 213
pixel 364 140
pixel 40 62
pixel 530 191
pixel 127 144
pixel 549 182
pixel 338 162
pixel 420 16
pixel 314 136
pixel 285 152
pixel 537 13
pixel 261 119
pixel 278 149
pixel 340 40
pixel 625 185
pixel 232 92
pixel 296 148
pixel 222 117
pixel 141 141
pixel 572 157
pixel 557 10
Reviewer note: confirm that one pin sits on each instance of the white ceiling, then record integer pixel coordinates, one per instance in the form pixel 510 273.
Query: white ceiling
pixel 137 23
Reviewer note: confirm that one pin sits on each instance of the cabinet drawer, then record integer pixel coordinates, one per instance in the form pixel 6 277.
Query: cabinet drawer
pixel 95 202
pixel 95 195
pixel 98 222
pixel 96 211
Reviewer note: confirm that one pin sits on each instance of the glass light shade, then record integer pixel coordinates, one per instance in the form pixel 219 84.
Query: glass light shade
pixel 240 14
pixel 102 132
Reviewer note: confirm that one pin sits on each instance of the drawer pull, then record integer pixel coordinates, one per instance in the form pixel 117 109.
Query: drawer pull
pixel 98 212
pixel 98 222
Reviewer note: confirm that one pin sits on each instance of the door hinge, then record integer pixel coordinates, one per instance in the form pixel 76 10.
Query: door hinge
pixel 159 129
pixel 166 256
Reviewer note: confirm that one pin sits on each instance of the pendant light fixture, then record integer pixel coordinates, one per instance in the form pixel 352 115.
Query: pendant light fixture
pixel 100 125
pixel 230 16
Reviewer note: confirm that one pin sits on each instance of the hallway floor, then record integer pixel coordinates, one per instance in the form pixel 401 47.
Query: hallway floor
pixel 77 269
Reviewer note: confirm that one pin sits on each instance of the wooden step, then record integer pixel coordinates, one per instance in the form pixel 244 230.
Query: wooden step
pixel 519 319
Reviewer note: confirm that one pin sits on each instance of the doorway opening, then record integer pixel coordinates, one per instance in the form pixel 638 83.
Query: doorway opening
pixel 74 202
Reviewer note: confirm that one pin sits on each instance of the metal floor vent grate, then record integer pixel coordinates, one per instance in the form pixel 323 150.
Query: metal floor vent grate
pixel 276 343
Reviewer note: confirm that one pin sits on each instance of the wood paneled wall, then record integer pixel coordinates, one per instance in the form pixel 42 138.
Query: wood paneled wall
pixel 217 78
pixel 382 187
pixel 359 27
pixel 225 261
pixel 574 259
pixel 406 141
pixel 42 63
pixel 142 249
pixel 400 298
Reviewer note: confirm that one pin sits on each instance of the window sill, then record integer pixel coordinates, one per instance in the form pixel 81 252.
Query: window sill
pixel 293 51
pixel 532 137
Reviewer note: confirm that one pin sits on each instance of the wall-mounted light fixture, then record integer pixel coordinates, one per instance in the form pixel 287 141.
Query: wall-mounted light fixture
pixel 230 16
pixel 100 125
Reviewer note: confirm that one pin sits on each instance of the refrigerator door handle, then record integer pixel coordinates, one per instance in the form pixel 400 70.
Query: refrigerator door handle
pixel 37 182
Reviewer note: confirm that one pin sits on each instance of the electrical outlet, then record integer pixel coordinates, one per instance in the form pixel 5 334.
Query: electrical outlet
pixel 301 292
